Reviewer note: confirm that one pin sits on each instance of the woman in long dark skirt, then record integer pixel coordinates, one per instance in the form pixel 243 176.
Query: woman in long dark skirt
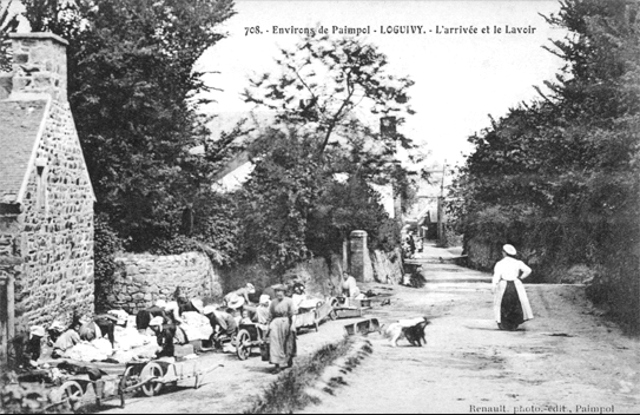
pixel 511 315
pixel 511 305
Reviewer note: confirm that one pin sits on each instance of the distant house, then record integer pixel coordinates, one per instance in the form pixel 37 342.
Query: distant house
pixel 46 197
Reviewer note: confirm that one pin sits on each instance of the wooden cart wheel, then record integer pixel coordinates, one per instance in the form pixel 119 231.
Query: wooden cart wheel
pixel 243 347
pixel 151 370
pixel 125 381
pixel 72 392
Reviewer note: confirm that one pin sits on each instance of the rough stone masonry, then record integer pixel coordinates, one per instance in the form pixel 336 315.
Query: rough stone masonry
pixel 47 211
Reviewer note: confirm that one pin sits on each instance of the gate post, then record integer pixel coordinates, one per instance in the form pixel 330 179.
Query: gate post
pixel 359 260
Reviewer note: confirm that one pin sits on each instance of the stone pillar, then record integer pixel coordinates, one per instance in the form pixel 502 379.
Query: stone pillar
pixel 359 260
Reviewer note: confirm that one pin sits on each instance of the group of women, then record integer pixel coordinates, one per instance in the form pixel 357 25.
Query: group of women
pixel 274 313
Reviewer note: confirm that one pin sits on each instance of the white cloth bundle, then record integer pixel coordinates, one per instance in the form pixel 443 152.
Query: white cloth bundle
pixel 128 338
pixel 196 326
pixel 85 352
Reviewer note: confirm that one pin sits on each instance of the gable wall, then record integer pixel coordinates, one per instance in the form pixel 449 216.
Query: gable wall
pixel 56 243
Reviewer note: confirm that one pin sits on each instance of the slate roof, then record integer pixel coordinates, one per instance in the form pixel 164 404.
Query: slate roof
pixel 19 125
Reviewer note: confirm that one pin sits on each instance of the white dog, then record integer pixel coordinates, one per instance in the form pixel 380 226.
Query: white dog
pixel 411 329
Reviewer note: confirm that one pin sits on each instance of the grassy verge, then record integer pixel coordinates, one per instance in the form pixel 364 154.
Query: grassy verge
pixel 287 393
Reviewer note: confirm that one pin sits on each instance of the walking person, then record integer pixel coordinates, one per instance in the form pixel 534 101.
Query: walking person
pixel 282 333
pixel 510 305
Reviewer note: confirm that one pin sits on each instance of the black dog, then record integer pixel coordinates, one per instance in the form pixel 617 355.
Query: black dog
pixel 415 334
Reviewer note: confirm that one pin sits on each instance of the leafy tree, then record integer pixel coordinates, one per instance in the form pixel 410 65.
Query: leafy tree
pixel 293 207
pixel 319 98
pixel 8 23
pixel 278 199
pixel 559 176
pixel 106 245
pixel 343 207
pixel 131 88
pixel 324 81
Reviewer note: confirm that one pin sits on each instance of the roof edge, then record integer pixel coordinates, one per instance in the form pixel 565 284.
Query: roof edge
pixel 39 35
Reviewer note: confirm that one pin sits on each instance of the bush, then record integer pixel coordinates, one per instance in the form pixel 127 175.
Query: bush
pixel 106 244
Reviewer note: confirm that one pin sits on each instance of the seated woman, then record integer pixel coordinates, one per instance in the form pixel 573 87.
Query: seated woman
pixel 350 287
pixel 144 316
pixel 165 330
pixel 223 325
pixel 27 349
pixel 186 304
pixel 100 326
pixel 67 340
pixel 240 292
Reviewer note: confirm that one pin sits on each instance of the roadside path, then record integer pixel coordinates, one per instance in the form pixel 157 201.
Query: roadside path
pixel 567 359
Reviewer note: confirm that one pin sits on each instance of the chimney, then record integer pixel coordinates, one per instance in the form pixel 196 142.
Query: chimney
pixel 39 65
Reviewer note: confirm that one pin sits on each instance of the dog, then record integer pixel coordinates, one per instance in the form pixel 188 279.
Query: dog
pixel 410 329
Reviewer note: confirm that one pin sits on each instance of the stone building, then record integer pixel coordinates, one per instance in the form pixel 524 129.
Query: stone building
pixel 46 197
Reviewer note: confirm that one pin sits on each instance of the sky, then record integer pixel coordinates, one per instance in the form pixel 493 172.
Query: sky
pixel 460 78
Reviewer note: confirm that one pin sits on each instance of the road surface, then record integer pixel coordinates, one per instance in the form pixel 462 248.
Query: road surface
pixel 568 359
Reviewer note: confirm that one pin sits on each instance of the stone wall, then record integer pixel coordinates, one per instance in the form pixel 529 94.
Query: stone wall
pixel 321 277
pixel 141 279
pixel 56 241
pixel 387 266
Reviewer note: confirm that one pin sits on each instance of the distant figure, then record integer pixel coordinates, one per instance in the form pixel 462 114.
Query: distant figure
pixel 511 305
pixel 350 287
pixel 412 244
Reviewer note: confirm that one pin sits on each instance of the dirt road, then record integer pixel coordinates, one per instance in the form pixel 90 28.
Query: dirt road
pixel 568 359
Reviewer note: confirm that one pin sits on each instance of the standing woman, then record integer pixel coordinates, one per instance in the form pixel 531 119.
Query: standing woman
pixel 511 305
pixel 282 333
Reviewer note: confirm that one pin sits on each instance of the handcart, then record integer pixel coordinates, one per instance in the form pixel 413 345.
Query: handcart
pixel 67 391
pixel 249 336
pixel 364 327
pixel 150 377
pixel 311 317
pixel 344 307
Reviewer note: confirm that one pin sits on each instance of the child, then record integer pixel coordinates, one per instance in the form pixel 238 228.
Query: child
pixel 246 317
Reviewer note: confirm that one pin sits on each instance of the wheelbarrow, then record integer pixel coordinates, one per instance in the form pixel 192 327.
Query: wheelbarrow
pixel 344 307
pixel 249 336
pixel 150 377
pixel 363 327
